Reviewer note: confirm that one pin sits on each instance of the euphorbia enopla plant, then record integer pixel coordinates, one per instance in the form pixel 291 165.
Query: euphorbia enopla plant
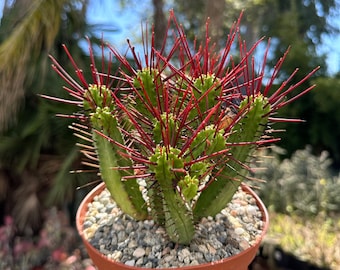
pixel 184 121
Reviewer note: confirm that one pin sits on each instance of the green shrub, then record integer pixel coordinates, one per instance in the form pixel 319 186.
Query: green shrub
pixel 302 184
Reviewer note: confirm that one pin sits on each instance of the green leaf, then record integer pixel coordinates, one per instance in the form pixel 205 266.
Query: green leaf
pixel 189 187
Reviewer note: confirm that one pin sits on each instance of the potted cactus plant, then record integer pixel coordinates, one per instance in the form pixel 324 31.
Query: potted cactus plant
pixel 171 134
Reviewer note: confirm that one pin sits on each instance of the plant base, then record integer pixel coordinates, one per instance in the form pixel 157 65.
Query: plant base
pixel 237 262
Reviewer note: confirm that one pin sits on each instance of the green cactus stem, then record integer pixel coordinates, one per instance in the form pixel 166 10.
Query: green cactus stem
pixel 178 215
pixel 148 81
pixel 206 89
pixel 228 177
pixel 126 193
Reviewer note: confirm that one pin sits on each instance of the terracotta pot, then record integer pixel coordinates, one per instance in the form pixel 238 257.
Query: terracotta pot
pixel 240 261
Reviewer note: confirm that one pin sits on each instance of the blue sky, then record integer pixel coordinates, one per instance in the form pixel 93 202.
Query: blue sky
pixel 121 25
pixel 128 23
pixel 125 22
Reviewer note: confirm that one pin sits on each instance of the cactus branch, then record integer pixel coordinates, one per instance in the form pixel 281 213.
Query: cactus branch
pixel 229 176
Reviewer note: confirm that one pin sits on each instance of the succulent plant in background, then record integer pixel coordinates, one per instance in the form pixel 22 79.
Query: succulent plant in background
pixel 183 119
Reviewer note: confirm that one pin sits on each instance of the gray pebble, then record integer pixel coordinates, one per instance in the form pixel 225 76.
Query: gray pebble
pixel 139 252
pixel 239 231
pixel 87 224
pixel 144 244
pixel 130 263
pixel 169 258
pixel 251 210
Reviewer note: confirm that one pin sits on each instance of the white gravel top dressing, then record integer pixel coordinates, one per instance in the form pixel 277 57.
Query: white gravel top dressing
pixel 145 244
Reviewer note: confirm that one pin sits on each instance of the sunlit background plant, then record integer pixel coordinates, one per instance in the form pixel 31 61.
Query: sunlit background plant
pixel 304 184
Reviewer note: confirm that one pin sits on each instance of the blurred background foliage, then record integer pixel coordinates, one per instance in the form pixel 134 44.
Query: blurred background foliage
pixel 37 149
pixel 303 185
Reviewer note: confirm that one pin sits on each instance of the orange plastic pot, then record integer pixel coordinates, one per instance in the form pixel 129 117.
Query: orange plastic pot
pixel 240 261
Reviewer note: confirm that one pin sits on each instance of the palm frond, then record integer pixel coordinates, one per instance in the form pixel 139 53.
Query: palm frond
pixel 36 31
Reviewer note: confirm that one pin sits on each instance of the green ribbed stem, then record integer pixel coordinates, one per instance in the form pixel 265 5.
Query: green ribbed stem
pixel 229 177
pixel 178 217
pixel 126 193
